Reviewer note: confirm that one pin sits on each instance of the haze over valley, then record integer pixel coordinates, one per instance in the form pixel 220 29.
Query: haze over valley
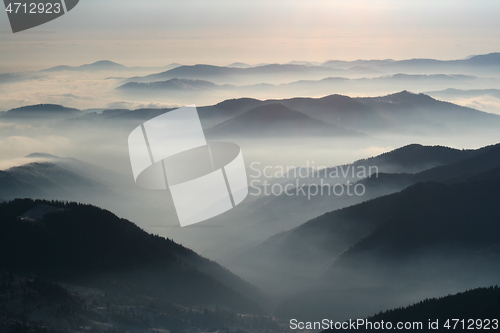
pixel 373 185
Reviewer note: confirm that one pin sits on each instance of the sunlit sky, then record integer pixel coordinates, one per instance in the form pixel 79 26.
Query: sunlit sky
pixel 159 32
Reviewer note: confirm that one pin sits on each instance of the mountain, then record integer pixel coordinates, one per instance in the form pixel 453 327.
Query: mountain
pixel 103 65
pixel 271 214
pixel 487 100
pixel 404 113
pixel 85 246
pixel 349 64
pixel 415 158
pixel 401 113
pixel 460 166
pixel 429 238
pixel 84 169
pixel 287 212
pixel 472 164
pixel 315 243
pixel 42 111
pixel 225 110
pixel 46 180
pixel 404 108
pixel 239 65
pixel 31 303
pixel 91 246
pixel 172 84
pixel 257 74
pixel 480 303
pixel 423 110
pixel 45 176
pixel 7 78
pixel 275 120
pixel 454 93
pixel 485 64
pixel 244 84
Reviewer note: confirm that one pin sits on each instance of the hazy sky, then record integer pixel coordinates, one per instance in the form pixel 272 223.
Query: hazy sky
pixel 158 32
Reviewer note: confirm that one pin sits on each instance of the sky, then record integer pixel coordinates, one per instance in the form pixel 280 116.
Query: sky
pixel 159 32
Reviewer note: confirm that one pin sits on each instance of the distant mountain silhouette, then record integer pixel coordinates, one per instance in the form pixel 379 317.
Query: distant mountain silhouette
pixel 7 78
pixel 216 114
pixel 350 64
pixel 239 65
pixel 491 59
pixel 42 155
pixel 470 165
pixel 173 84
pixel 275 120
pixel 218 73
pixel 46 180
pixel 45 176
pixel 102 65
pixel 42 111
pixel 241 83
pixel 460 93
pixel 483 63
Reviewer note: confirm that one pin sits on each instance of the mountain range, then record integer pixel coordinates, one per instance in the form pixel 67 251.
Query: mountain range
pixel 187 86
pixel 443 225
pixel 259 74
pixel 484 64
pixel 102 65
pixel 83 246
pixel 276 120
pixel 49 177
pixel 487 63
pixel 386 245
pixel 404 113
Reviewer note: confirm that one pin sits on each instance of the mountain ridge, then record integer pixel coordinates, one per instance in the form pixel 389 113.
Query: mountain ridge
pixel 87 245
